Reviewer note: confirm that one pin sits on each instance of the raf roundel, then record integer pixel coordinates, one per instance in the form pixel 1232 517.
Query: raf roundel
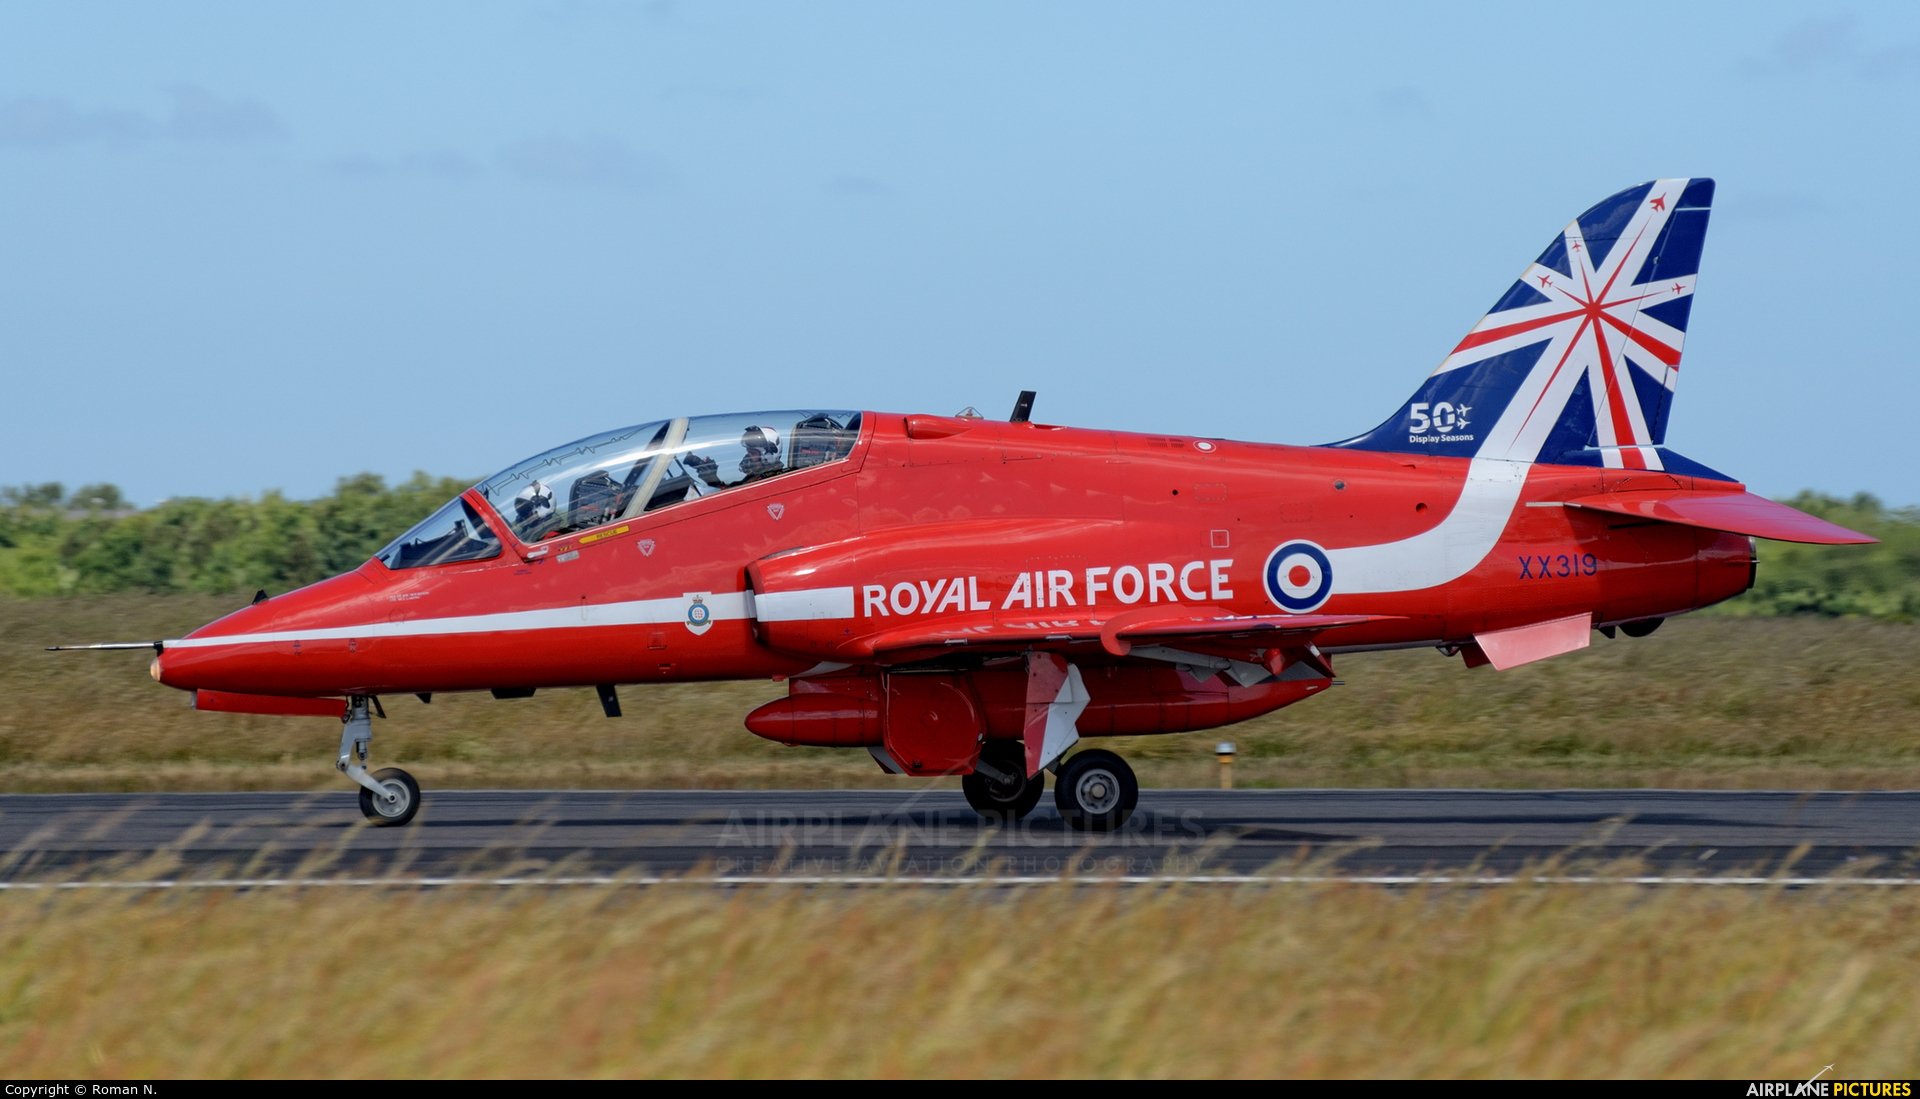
pixel 1299 577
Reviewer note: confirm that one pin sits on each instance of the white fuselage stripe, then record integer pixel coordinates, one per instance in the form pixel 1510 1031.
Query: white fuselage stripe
pixel 1450 550
pixel 721 607
pixel 809 605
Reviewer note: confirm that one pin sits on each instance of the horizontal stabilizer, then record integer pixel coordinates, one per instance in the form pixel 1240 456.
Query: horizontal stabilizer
pixel 1734 512
pixel 1525 644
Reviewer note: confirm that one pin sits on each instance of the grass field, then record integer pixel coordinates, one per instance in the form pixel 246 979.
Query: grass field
pixel 687 980
pixel 1705 702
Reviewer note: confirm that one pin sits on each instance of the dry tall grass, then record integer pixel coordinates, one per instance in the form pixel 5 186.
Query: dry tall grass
pixel 1704 702
pixel 1314 981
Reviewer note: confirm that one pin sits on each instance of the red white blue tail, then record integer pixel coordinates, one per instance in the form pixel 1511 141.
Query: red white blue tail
pixel 1576 363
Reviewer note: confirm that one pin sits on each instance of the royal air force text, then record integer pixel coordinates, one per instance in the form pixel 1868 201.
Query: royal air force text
pixel 1050 589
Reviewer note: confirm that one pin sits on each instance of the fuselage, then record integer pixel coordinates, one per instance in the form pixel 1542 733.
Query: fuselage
pixel 928 519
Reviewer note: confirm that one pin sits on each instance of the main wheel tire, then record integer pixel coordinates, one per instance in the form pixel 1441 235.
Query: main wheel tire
pixel 1004 802
pixel 1096 791
pixel 405 795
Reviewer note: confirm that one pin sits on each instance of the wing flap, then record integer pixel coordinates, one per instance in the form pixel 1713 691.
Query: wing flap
pixel 1734 512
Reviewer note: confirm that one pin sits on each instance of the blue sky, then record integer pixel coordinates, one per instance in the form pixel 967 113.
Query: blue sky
pixel 260 246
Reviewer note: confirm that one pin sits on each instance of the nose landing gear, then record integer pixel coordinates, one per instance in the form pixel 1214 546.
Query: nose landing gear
pixel 389 797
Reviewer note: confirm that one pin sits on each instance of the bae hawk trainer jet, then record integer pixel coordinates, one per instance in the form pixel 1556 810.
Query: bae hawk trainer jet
pixel 959 596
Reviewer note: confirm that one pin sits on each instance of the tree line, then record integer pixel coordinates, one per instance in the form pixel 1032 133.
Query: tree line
pixel 1880 581
pixel 89 541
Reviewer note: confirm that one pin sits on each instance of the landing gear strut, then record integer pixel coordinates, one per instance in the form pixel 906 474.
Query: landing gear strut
pixel 389 797
pixel 1096 791
pixel 999 788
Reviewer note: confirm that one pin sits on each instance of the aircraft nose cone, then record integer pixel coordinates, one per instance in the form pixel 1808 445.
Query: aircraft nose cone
pixel 258 648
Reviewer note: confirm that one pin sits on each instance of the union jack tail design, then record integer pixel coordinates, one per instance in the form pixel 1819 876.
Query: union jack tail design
pixel 1577 361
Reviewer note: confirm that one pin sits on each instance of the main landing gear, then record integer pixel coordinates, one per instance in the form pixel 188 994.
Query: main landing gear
pixel 1095 791
pixel 999 789
pixel 389 797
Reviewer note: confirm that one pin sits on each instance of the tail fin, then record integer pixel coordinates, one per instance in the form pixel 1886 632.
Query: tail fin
pixel 1576 363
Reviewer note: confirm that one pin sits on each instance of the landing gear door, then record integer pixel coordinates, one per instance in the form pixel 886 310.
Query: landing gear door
pixel 933 723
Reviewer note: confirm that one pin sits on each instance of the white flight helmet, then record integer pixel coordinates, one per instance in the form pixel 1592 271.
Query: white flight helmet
pixel 533 507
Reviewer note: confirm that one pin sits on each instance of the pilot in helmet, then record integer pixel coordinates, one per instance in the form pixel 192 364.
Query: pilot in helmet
pixel 532 510
pixel 762 458
pixel 762 445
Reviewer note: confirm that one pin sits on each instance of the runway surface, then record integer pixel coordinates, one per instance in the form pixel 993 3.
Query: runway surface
pixel 913 831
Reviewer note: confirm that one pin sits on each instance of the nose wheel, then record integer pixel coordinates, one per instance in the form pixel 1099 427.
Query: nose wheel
pixel 398 801
pixel 1096 791
pixel 388 797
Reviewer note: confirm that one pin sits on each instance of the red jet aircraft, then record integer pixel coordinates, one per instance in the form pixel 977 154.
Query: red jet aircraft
pixel 960 596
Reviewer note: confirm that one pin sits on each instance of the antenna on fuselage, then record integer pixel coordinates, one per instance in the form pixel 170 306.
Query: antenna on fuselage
pixel 1022 408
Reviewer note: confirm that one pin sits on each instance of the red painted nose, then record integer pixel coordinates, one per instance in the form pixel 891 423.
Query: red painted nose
pixel 258 649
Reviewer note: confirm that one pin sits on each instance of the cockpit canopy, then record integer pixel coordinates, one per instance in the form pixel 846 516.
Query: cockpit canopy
pixel 626 473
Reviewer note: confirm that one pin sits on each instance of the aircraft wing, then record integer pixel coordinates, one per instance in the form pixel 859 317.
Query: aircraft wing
pixel 1734 512
pixel 1117 634
pixel 1122 632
